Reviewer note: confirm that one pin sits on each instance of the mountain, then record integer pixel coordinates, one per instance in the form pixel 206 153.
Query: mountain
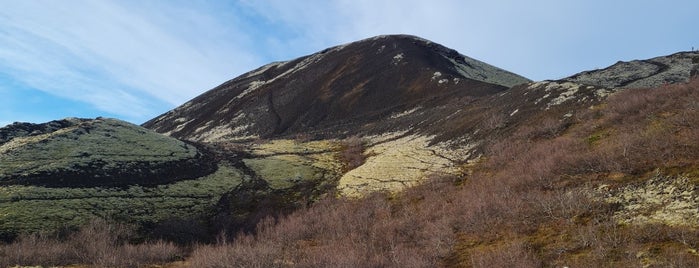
pixel 398 94
pixel 269 141
pixel 565 181
pixel 393 142
pixel 341 90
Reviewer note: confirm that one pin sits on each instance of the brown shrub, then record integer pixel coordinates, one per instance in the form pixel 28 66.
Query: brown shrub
pixel 35 249
pixel 97 243
pixel 375 231
pixel 546 127
pixel 648 128
pixel 511 255
pixel 245 252
pixel 352 153
pixel 494 120
pixel 528 205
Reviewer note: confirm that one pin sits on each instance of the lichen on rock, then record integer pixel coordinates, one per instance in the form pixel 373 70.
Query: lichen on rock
pixel 398 163
pixel 670 200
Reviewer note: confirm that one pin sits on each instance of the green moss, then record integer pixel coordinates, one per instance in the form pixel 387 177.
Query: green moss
pixel 31 208
pixel 594 138
pixel 285 171
pixel 286 163
pixel 109 142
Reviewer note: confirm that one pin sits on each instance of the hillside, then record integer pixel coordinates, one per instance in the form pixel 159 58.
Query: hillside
pixel 62 173
pixel 391 151
pixel 328 121
pixel 615 186
pixel 341 91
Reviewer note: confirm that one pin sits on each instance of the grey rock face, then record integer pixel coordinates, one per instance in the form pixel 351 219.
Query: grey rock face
pixel 675 68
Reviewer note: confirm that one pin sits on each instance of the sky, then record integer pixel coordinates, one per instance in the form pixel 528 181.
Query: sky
pixel 134 59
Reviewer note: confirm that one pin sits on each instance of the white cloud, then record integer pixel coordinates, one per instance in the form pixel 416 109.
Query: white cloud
pixel 139 58
pixel 116 56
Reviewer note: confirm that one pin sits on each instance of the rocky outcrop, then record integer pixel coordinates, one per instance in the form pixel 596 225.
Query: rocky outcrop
pixel 675 68
pixel 20 129
pixel 662 199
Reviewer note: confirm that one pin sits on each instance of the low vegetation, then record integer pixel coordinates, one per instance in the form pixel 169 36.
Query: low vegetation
pixel 98 244
pixel 352 154
pixel 540 197
pixel 35 208
pixel 535 201
pixel 112 153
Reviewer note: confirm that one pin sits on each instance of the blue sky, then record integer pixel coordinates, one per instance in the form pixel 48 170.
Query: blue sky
pixel 133 59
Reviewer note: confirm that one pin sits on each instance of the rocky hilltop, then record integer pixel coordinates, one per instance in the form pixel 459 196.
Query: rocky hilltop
pixel 343 90
pixel 675 68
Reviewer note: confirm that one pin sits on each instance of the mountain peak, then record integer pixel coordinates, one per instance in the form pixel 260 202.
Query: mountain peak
pixel 340 90
pixel 467 67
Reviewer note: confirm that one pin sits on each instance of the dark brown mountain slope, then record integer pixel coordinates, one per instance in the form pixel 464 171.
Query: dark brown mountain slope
pixel 340 90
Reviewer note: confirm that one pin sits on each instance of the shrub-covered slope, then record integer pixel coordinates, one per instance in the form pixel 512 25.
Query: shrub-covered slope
pixel 615 186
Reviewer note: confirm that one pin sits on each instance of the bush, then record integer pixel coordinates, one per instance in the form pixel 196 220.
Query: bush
pixel 513 255
pixel 352 153
pixel 97 243
pixel 530 204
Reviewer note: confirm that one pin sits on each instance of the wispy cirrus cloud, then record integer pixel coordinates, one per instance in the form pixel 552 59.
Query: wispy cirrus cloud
pixel 117 56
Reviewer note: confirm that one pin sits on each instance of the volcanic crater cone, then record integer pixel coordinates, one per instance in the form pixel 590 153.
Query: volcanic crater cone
pixel 343 90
